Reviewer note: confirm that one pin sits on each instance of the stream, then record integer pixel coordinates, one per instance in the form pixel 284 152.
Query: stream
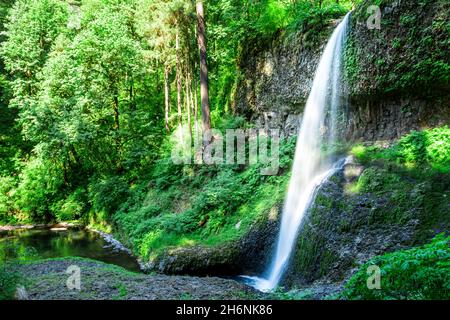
pixel 61 242
pixel 98 281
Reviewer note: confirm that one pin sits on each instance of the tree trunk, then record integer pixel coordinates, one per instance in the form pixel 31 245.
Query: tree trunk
pixel 117 129
pixel 195 106
pixel 116 113
pixel 188 102
pixel 206 120
pixel 166 97
pixel 179 87
pixel 131 91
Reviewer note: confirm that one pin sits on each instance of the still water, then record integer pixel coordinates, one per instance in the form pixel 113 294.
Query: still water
pixel 47 243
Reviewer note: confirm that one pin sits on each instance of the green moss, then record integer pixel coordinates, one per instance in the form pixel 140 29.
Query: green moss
pixel 123 292
pixel 408 53
pixel 352 69
pixel 411 177
pixel 9 280
pixel 326 261
pixel 400 185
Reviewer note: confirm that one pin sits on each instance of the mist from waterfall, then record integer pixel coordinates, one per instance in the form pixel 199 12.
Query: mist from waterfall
pixel 311 165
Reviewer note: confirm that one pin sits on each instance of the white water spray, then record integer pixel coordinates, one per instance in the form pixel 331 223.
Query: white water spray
pixel 310 166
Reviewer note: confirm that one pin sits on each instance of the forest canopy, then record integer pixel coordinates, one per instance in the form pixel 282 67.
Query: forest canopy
pixel 92 90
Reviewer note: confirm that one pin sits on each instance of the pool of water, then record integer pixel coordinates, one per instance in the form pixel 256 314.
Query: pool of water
pixel 46 243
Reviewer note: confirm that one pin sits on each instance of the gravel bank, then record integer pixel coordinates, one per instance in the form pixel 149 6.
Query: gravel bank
pixel 46 279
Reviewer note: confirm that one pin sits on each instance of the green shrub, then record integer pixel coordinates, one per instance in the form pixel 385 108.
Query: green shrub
pixel 72 207
pixel 420 149
pixel 39 187
pixel 428 147
pixel 7 185
pixel 8 282
pixel 377 180
pixel 11 255
pixel 107 193
pixel 188 204
pixel 274 17
pixel 417 273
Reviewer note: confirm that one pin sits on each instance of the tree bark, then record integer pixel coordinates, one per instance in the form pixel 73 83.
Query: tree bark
pixel 206 119
pixel 195 106
pixel 166 97
pixel 117 129
pixel 179 86
pixel 116 113
pixel 188 101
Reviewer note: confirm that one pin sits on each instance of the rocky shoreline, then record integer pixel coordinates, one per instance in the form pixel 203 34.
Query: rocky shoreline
pixel 47 280
pixel 114 243
pixel 60 226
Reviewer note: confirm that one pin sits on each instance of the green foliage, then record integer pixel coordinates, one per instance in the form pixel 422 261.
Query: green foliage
pixel 83 83
pixel 418 273
pixel 107 193
pixel 72 207
pixel 31 28
pixel 188 204
pixel 312 20
pixel 410 179
pixel 39 186
pixel 7 185
pixel 71 87
pixel 11 255
pixel 431 147
pixel 273 17
pixel 375 180
pixel 420 149
pixel 8 282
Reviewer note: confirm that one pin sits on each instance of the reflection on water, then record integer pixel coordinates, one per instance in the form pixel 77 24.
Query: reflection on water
pixel 46 243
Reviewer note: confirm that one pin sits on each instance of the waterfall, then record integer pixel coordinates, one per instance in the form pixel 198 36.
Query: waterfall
pixel 311 166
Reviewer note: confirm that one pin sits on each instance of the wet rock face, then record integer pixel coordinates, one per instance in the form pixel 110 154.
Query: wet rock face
pixel 344 229
pixel 390 118
pixel 276 78
pixel 396 75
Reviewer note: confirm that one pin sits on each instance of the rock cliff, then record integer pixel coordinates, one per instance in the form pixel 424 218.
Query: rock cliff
pixel 397 75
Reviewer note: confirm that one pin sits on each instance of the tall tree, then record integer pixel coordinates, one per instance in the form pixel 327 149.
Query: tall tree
pixel 166 97
pixel 178 75
pixel 201 33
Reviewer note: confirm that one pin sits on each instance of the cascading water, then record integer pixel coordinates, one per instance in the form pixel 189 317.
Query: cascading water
pixel 311 167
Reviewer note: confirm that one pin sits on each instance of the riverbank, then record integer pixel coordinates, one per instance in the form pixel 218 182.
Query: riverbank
pixel 46 280
pixel 60 226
